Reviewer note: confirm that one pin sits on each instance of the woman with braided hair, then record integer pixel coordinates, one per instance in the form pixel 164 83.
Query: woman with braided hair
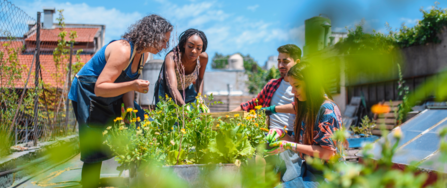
pixel 184 65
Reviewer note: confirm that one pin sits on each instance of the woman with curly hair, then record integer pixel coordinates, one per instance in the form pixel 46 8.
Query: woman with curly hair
pixel 183 66
pixel 109 79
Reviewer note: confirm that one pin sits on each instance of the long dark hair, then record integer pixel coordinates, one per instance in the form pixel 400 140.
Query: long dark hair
pixel 307 111
pixel 149 32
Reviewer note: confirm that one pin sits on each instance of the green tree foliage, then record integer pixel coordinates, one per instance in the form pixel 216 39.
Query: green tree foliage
pixel 220 61
pixel 425 31
pixel 273 73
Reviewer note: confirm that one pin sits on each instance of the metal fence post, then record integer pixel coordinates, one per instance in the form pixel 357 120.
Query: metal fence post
pixel 228 98
pixel 36 81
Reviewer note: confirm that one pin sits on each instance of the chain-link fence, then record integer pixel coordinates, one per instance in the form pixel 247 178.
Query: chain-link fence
pixel 34 80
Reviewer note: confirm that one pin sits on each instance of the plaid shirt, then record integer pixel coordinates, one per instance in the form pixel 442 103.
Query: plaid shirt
pixel 264 97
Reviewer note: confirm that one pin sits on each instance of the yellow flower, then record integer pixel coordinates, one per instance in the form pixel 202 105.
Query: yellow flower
pixel 157 133
pixel 146 116
pixel 256 125
pixel 134 120
pixel 129 109
pixel 252 112
pixel 172 128
pixel 167 96
pixel 172 142
pixel 138 128
pixel 183 131
pixel 258 107
pixel 238 124
pixel 236 115
pixel 227 116
pixel 204 96
pixel 256 100
pixel 136 111
pixel 114 120
pixel 104 133
pixel 397 133
pixel 119 118
pixel 138 119
pixel 109 127
pixel 217 125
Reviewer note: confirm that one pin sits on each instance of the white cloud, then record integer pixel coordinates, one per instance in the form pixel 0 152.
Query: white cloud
pixel 409 21
pixel 253 7
pixel 116 21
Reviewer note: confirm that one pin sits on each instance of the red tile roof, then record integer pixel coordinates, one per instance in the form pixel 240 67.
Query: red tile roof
pixel 51 35
pixel 47 65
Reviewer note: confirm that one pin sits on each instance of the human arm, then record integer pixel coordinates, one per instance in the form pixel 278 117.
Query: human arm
pixel 322 145
pixel 117 54
pixel 266 92
pixel 172 79
pixel 203 62
pixel 311 150
pixel 287 108
pixel 237 109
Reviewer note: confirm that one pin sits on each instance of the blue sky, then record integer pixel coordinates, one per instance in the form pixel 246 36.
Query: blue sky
pixel 249 27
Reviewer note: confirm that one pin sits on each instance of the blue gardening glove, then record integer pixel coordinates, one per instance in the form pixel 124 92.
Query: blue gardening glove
pixel 269 110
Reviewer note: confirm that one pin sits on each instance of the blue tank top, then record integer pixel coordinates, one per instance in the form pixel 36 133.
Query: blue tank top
pixel 95 66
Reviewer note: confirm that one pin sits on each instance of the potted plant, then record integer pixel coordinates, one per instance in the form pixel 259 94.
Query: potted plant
pixel 362 133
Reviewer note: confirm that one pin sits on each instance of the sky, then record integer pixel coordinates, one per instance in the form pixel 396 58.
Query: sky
pixel 256 28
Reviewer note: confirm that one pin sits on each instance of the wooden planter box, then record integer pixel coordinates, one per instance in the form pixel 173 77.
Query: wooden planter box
pixel 189 173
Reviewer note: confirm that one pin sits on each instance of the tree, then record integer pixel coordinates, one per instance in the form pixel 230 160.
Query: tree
pixel 220 61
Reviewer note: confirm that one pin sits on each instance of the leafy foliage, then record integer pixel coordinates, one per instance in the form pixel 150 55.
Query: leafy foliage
pixel 425 31
pixel 183 135
pixel 403 92
pixel 375 170
pixel 365 127
pixel 220 61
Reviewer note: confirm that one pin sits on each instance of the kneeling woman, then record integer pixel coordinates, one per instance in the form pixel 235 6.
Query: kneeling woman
pixel 183 65
pixel 316 120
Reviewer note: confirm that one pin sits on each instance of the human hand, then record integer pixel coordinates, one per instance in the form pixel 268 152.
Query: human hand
pixel 274 134
pixel 269 110
pixel 281 146
pixel 141 86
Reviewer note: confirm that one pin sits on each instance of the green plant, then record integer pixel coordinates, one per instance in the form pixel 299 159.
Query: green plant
pixel 365 127
pixel 183 135
pixel 425 31
pixel 375 171
pixel 403 91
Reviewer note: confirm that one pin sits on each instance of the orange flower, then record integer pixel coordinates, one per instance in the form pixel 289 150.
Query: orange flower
pixel 380 109
pixel 227 116
pixel 264 129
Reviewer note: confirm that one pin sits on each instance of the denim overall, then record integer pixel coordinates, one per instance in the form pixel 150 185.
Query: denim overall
pixel 95 114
